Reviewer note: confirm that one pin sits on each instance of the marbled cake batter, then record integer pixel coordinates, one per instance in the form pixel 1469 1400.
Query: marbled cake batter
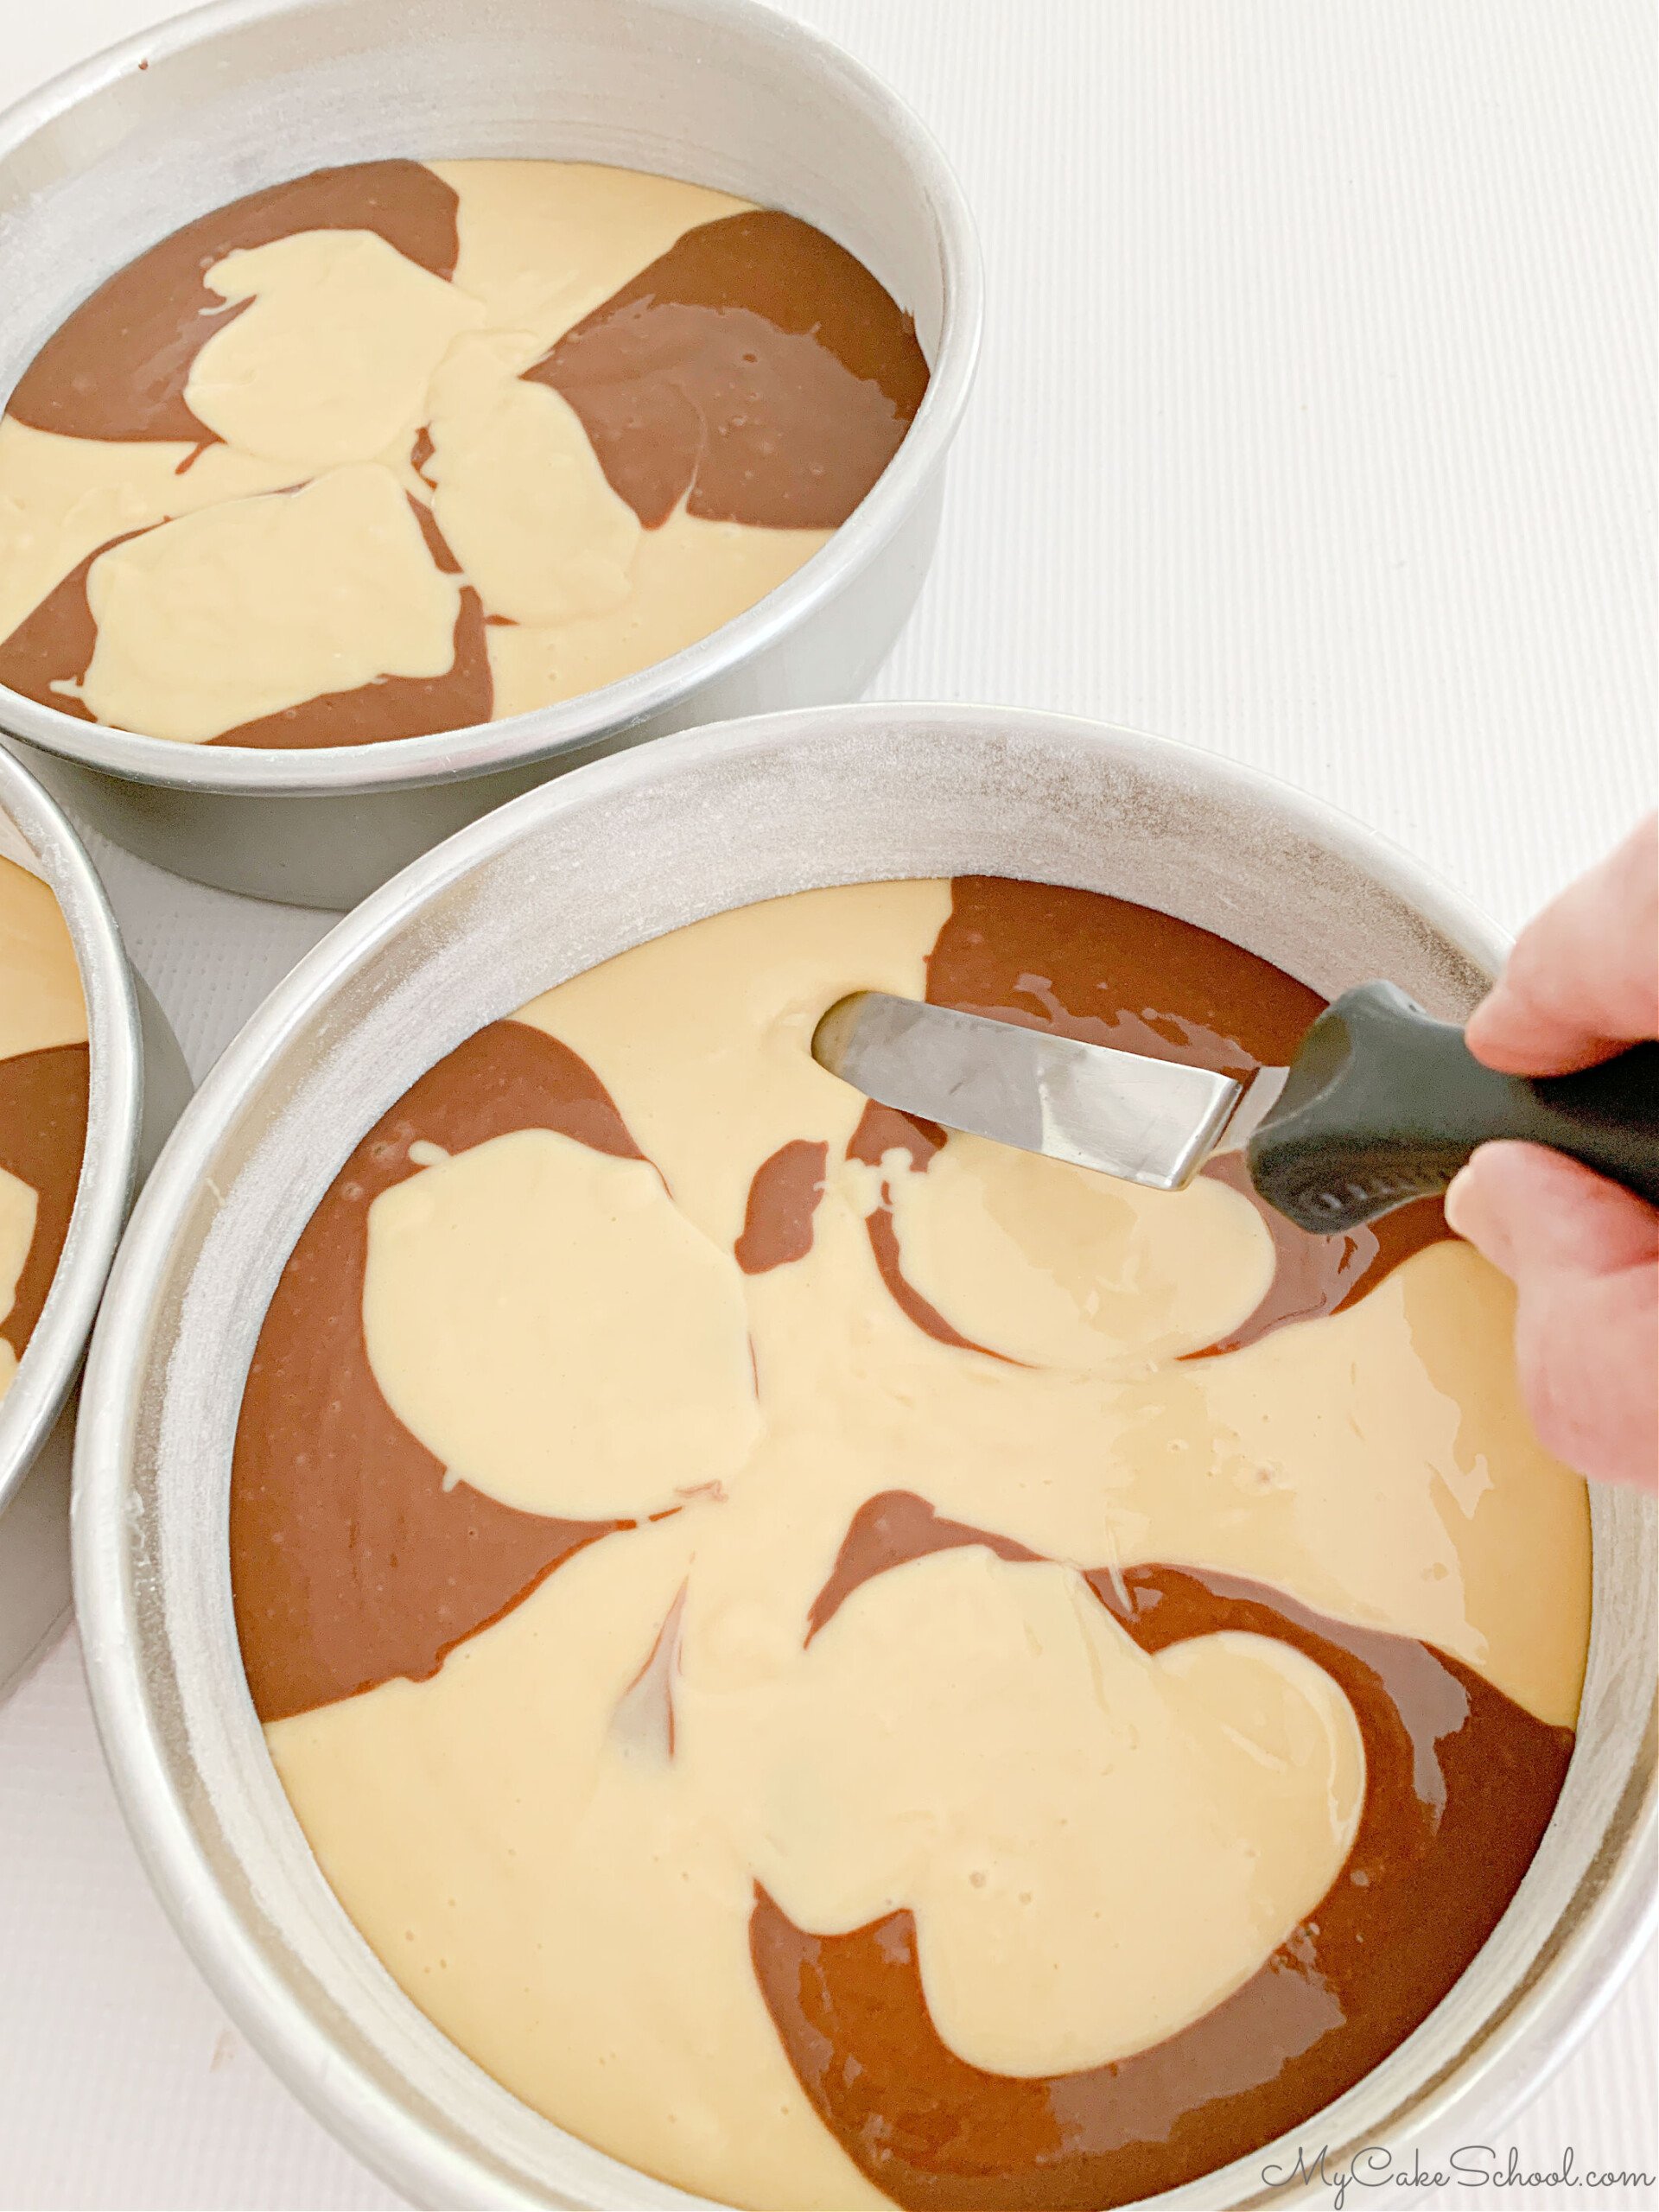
pixel 43 1083
pixel 844 1665
pixel 400 446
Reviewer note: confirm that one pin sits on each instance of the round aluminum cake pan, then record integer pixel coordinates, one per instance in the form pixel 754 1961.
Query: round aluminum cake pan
pixel 562 878
pixel 111 157
pixel 138 1084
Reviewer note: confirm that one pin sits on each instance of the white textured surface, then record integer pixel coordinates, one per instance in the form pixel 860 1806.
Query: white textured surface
pixel 1315 427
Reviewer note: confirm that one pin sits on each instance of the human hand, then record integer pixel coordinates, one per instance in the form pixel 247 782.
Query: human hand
pixel 1582 984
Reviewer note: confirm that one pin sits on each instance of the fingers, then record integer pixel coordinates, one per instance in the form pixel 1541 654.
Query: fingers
pixel 1583 1256
pixel 1583 981
pixel 1528 1208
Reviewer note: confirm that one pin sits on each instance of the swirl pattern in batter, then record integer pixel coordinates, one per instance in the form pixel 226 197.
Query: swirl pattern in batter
pixel 44 1072
pixel 405 446
pixel 849 1666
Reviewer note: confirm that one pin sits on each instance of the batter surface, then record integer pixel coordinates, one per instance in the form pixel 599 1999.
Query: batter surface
pixel 845 1665
pixel 44 1082
pixel 401 447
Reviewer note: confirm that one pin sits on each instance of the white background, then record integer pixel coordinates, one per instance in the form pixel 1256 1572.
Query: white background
pixel 1315 427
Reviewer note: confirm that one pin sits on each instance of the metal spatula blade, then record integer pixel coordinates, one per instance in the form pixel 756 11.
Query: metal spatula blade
pixel 1382 1104
pixel 1145 1120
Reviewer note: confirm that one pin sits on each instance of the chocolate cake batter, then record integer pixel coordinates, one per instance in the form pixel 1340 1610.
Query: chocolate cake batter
pixel 775 378
pixel 622 407
pixel 1459 1785
pixel 352 1560
pixel 43 1090
pixel 1084 1706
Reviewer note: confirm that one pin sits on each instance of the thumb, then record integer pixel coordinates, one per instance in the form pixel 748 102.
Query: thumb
pixel 1583 1257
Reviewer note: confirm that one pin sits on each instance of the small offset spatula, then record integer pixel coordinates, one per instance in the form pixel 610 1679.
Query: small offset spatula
pixel 1381 1103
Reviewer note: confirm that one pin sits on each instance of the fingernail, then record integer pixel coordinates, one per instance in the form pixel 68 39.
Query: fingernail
pixel 1456 1200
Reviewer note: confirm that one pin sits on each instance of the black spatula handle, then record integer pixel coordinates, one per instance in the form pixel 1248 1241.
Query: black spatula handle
pixel 1384 1103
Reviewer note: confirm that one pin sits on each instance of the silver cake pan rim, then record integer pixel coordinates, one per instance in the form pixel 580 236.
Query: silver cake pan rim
pixel 114 1117
pixel 1566 1969
pixel 546 735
